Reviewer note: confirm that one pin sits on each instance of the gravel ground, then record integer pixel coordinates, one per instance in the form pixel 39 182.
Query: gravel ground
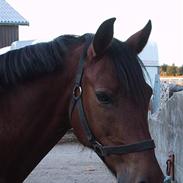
pixel 70 163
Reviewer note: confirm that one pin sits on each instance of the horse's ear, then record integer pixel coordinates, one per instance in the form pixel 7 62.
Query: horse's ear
pixel 102 38
pixel 138 40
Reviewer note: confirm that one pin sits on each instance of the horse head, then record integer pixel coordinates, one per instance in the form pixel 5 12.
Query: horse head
pixel 109 110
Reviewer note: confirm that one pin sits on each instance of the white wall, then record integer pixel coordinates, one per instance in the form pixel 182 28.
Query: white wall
pixel 166 129
pixel 152 71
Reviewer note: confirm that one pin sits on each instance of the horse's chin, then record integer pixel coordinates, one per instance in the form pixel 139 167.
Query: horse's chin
pixel 122 179
pixel 130 179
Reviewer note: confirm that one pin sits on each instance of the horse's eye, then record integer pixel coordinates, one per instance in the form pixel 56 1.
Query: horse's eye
pixel 104 98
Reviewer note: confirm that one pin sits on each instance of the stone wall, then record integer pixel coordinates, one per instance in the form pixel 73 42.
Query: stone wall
pixel 166 128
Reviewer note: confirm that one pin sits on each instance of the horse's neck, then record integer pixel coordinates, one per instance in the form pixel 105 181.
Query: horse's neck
pixel 33 116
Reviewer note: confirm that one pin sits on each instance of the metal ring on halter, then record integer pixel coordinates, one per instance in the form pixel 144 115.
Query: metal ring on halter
pixel 167 179
pixel 77 92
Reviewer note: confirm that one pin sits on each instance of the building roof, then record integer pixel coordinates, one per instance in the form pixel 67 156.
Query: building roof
pixel 9 16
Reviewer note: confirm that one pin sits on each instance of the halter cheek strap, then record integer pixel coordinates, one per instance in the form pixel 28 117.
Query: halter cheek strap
pixel 102 151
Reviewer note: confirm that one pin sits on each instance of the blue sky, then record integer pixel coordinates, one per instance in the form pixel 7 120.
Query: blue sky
pixel 49 19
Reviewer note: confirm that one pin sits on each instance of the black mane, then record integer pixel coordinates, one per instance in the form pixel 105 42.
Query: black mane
pixel 35 60
pixel 129 69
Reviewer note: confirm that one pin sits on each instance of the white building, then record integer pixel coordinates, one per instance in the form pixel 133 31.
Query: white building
pixel 149 57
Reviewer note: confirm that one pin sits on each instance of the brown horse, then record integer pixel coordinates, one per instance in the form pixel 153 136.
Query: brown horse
pixel 107 108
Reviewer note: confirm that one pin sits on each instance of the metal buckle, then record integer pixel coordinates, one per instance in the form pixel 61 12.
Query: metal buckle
pixel 98 148
pixel 77 92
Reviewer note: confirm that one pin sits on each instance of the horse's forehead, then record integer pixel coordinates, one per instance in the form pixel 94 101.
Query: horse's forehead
pixel 103 74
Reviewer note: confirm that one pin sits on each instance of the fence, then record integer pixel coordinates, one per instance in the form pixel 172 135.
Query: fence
pixel 166 128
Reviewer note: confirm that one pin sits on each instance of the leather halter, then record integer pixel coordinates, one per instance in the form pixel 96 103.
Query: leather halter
pixel 100 149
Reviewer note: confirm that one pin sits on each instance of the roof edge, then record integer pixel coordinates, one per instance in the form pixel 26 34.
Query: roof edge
pixel 14 23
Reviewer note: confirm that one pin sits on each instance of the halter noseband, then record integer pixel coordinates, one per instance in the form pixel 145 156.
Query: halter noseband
pixel 100 149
